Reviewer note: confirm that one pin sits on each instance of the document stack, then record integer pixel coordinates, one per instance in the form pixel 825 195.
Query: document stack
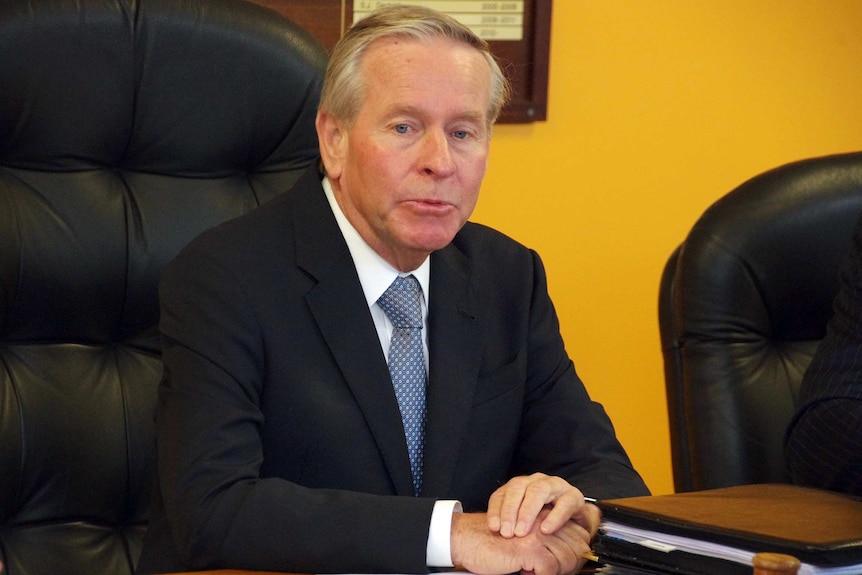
pixel 718 531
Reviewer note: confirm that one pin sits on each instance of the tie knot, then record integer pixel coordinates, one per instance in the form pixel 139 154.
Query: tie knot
pixel 402 302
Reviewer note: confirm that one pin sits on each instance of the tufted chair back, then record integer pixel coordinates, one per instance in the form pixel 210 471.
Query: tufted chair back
pixel 743 304
pixel 126 128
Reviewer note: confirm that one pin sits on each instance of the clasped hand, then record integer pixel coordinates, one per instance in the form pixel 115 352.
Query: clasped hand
pixel 535 524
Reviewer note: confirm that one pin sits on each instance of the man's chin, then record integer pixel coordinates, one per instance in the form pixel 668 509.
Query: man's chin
pixel 429 243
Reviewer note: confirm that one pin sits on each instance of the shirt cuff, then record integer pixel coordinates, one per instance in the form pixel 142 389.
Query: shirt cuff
pixel 438 552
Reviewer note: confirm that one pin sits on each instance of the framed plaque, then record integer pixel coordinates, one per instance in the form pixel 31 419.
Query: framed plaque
pixel 518 31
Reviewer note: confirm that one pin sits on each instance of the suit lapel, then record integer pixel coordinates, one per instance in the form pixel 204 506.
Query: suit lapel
pixel 342 315
pixel 453 332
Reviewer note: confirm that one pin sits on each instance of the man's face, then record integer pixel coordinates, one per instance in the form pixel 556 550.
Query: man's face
pixel 407 172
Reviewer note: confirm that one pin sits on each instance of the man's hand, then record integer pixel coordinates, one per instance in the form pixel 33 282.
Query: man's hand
pixel 514 508
pixel 479 550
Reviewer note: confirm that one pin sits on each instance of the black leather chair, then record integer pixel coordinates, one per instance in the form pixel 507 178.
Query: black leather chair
pixel 126 128
pixel 743 303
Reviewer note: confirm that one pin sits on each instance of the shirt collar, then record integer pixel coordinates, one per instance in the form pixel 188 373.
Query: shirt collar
pixel 375 273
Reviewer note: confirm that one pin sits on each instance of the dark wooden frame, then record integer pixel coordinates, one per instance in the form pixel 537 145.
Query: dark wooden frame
pixel 525 61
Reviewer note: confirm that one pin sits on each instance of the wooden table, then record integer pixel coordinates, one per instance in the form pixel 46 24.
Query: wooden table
pixel 231 572
pixel 587 570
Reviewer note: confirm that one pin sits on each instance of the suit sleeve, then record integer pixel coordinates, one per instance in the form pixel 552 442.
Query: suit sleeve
pixel 222 513
pixel 824 440
pixel 564 432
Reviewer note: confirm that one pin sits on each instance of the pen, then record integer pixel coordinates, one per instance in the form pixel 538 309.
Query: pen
pixel 591 555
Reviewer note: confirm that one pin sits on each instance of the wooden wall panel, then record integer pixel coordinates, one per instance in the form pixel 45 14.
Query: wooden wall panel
pixel 525 61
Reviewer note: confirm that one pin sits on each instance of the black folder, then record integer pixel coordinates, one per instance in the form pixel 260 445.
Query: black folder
pixel 820 528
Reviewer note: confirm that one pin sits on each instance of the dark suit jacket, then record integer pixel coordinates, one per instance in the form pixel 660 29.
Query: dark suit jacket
pixel 280 444
pixel 824 439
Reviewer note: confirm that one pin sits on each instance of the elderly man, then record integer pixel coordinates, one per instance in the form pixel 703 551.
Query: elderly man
pixel 357 379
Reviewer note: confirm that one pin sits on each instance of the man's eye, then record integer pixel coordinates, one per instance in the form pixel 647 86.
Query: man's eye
pixel 460 134
pixel 402 128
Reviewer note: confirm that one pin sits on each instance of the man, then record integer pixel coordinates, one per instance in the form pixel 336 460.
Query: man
pixel 823 446
pixel 281 443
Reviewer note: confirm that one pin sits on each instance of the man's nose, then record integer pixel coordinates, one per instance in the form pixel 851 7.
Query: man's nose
pixel 436 156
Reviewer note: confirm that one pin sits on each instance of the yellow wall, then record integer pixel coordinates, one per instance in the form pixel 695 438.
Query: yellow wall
pixel 656 109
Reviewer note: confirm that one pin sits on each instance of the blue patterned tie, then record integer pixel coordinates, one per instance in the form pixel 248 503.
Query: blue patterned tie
pixel 402 304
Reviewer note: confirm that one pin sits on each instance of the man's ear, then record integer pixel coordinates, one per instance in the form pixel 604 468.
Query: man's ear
pixel 332 138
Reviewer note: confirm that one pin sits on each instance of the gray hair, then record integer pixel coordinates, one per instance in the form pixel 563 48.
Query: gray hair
pixel 344 89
